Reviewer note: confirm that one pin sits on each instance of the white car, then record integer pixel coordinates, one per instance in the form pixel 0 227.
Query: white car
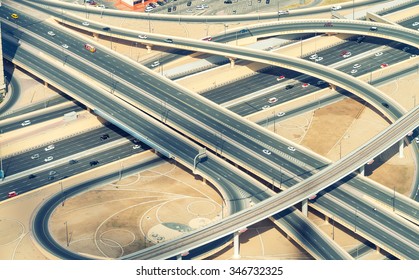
pixel 313 56
pixel 265 107
pixel 272 100
pixel 136 147
pixel 35 156
pixel 305 85
pixel 52 172
pixel 320 58
pixel 85 23
pixel 280 78
pixel 49 147
pixel 48 158
pixel 141 36
pixel 346 55
pixel 65 46
pixel 353 71
pixel 417 140
pixel 200 7
pixel 292 149
pixel 51 33
pixel 378 54
pixel 25 123
pixel 155 64
pixel 280 13
pixel 266 151
pixel 280 114
pixel 205 6
pixel 356 66
pixel 336 7
pixel 416 23
pixel 148 9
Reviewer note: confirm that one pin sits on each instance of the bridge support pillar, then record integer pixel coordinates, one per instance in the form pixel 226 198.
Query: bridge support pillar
pixel 304 207
pixel 362 170
pixel 148 47
pixel 179 257
pixel 401 146
pixel 236 243
pixel 326 219
pixel 95 35
pixel 332 86
pixel 204 181
pixel 377 249
pixel 232 62
pixel 45 84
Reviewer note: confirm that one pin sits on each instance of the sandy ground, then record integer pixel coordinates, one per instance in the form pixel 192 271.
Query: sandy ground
pixel 137 211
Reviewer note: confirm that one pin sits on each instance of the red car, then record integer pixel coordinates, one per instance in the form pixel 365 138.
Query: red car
pixel 305 85
pixel 383 65
pixel 12 194
pixel 280 78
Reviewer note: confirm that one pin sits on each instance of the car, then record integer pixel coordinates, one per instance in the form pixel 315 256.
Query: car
pixel 15 16
pixel 174 8
pixel 318 59
pixel 383 65
pixel 199 7
pixel 353 71
pixel 304 85
pixel 101 6
pixel 136 146
pixel 291 148
pixel 313 56
pixel 73 161
pixel 280 78
pixel 416 23
pixel 25 123
pixel 266 151
pixel 49 147
pixel 168 40
pixel 378 54
pixel 359 39
pixel 357 65
pixel 52 172
pixel 51 33
pixel 321 82
pixel 155 63
pixel 169 10
pixel 12 194
pixel 31 176
pixel 417 140
pixel 151 4
pixel 148 9
pixel 161 3
pixel 94 162
pixel 208 38
pixel 35 156
pixel 280 114
pixel 385 105
pixel 328 24
pixel 289 87
pixel 49 158
pixel 51 177
pixel 272 100
pixel 375 209
pixel 413 55
pixel 104 136
pixel 204 5
pixel 85 23
pixel 280 13
pixel 405 49
pixel 347 54
pixel 336 7
pixel 136 141
pixel 268 1
pixel 189 11
pixel 190 3
pixel 373 28
pixel 142 36
pixel 265 107
pixel 228 2
pixel 65 46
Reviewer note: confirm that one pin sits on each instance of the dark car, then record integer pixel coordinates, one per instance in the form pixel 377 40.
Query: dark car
pixel 161 3
pixel 51 177
pixel 385 105
pixel 168 40
pixel 268 1
pixel 169 9
pixel 73 161
pixel 289 86
pixel 104 136
pixel 228 2
pixel 32 176
pixel 190 3
pixel 94 162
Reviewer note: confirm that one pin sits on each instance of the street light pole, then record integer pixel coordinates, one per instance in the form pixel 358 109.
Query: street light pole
pixel 66 233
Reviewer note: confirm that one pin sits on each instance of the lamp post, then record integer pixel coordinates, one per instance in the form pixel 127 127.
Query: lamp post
pixel 66 233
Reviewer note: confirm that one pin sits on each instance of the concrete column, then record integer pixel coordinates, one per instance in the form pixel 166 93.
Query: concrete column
pixel 332 86
pixel 232 62
pixel 362 170
pixel 95 35
pixel 45 84
pixel 377 249
pixel 304 208
pixel 148 47
pixel 204 181
pixel 326 219
pixel 2 81
pixel 236 243
pixel 401 146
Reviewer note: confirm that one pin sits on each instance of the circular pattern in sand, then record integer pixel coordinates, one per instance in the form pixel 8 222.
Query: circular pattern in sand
pixel 10 231
pixel 201 208
pixel 120 237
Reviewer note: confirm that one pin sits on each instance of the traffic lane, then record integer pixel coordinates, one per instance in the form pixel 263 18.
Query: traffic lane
pixel 358 216
pixel 25 184
pixel 63 148
pixel 40 118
